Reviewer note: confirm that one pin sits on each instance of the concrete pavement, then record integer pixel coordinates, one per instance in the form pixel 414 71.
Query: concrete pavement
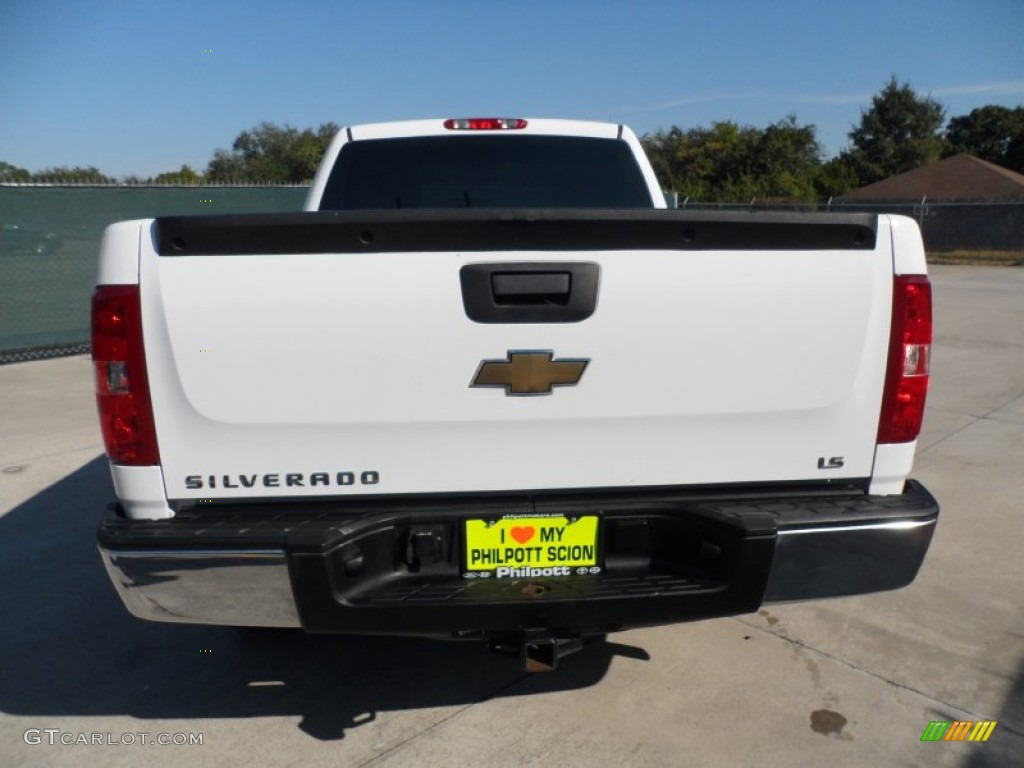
pixel 847 682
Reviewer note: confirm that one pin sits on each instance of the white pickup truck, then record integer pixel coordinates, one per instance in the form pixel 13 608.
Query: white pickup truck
pixel 487 386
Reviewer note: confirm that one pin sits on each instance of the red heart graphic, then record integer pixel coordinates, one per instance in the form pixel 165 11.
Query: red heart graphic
pixel 522 534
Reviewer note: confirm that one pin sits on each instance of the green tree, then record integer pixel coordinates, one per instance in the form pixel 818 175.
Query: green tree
pixel 898 133
pixel 724 156
pixel 13 174
pixel 732 163
pixel 76 175
pixel 226 167
pixel 661 149
pixel 184 176
pixel 786 160
pixel 992 132
pixel 836 176
pixel 272 153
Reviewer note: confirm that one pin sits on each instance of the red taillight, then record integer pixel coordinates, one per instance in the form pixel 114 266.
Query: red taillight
pixel 484 123
pixel 910 345
pixel 122 389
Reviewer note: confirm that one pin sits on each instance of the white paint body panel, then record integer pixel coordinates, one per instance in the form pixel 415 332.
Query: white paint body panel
pixel 141 492
pixel 119 253
pixel 893 463
pixel 707 367
pixel 907 246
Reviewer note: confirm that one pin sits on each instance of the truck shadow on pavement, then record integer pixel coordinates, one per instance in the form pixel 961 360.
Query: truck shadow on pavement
pixel 70 648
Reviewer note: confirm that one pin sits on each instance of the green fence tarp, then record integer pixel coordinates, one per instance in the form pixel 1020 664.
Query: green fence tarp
pixel 49 243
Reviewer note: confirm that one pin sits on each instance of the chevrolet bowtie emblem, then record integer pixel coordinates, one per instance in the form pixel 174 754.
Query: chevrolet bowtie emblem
pixel 529 373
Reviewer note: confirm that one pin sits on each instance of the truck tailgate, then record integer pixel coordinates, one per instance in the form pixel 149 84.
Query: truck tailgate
pixel 716 352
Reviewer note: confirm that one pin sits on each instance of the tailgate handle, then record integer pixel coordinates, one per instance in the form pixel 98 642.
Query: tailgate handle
pixel 531 288
pixel 530 291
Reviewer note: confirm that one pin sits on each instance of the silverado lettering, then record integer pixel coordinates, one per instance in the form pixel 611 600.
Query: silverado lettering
pixel 291 479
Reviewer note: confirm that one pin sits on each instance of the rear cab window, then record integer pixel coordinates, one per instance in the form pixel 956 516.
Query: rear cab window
pixel 485 172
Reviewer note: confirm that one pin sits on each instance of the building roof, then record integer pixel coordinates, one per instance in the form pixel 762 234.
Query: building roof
pixel 960 177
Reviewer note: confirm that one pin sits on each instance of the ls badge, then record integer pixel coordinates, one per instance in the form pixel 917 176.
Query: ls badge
pixel 529 373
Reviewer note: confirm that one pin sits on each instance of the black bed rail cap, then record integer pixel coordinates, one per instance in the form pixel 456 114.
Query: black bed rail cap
pixel 480 230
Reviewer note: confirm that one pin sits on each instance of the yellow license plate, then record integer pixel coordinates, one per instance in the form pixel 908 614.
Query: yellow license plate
pixel 529 547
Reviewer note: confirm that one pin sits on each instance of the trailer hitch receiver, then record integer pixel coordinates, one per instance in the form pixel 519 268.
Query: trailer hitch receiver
pixel 538 649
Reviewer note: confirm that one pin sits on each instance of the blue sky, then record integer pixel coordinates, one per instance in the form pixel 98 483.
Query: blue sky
pixel 129 88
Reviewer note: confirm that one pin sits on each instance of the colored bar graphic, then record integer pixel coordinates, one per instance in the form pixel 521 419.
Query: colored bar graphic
pixel 982 730
pixel 958 730
pixel 935 731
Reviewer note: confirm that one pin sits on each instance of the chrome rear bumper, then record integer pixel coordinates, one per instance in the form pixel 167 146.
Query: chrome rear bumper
pixel 343 570
pixel 231 588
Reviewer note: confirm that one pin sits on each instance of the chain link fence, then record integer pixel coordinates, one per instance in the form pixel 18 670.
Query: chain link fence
pixel 49 242
pixel 996 227
pixel 990 232
pixel 50 234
